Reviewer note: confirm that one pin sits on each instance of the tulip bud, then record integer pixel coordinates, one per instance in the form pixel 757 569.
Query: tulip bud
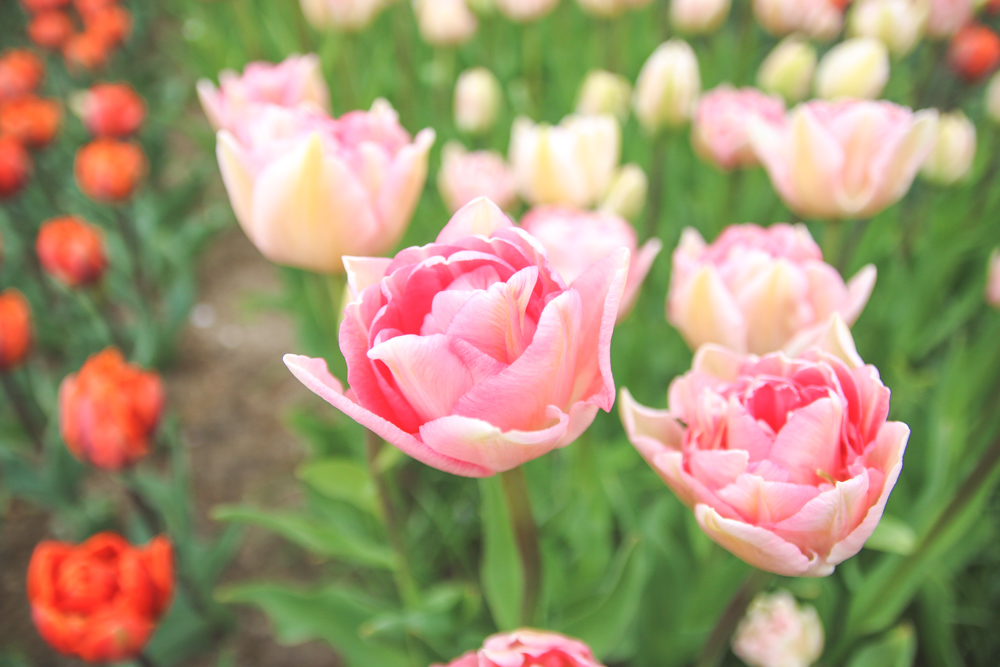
pixel 21 72
pixel 111 24
pixel 343 15
pixel 857 68
pixel 974 52
pixel 610 8
pixel 109 410
pixel 477 100
pixel 35 6
pixel 31 120
pixel 112 110
pixel 50 29
pixel 627 195
pixel 699 16
pixel 776 631
pixel 466 176
pixel 899 24
pixel 946 17
pixel 15 166
pixel 15 328
pixel 445 22
pixel 86 51
pixel 993 98
pixel 819 19
pixel 993 280
pixel 525 10
pixel 85 7
pixel 788 70
pixel 605 93
pixel 952 157
pixel 108 170
pixel 668 87
pixel 72 251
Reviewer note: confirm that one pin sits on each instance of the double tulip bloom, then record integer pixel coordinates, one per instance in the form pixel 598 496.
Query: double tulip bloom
pixel 777 632
pixel 100 600
pixel 758 290
pixel 847 159
pixel 308 189
pixel 15 329
pixel 72 251
pixel 722 123
pixel 523 648
pixel 466 176
pixel 109 411
pixel 473 354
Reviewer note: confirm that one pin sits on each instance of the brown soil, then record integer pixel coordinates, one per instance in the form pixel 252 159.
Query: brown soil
pixel 230 391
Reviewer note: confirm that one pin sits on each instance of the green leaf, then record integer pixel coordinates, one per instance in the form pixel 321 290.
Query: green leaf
pixel 896 648
pixel 316 537
pixel 341 479
pixel 332 614
pixel 502 576
pixel 893 536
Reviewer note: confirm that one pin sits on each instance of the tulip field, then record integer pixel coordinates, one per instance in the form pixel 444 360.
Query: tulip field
pixel 540 333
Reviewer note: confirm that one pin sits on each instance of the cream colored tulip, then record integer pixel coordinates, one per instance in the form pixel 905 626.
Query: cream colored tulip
pixel 819 19
pixel 899 24
pixel 955 150
pixel 344 15
pixel 477 100
pixel 993 98
pixel 445 22
pixel 698 17
pixel 668 87
pixel 788 70
pixel 605 93
pixel 856 68
pixel 627 195
pixel 777 632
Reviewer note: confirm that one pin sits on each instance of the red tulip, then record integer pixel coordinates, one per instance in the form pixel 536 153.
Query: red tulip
pixel 108 170
pixel 86 51
pixel 21 72
pixel 15 328
pixel 109 410
pixel 15 166
pixel 31 120
pixel 974 52
pixel 100 600
pixel 84 7
pixel 113 110
pixel 35 6
pixel 72 250
pixel 111 24
pixel 51 29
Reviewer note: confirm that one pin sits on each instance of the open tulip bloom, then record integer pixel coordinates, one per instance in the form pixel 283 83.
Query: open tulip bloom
pixel 472 354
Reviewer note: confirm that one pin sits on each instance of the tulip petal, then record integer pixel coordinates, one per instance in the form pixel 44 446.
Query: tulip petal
pixel 637 272
pixel 400 188
pixel 764 503
pixel 238 180
pixel 363 272
pixel 859 289
pixel 810 440
pixel 314 375
pixel 651 431
pixel 494 320
pixel 757 546
pixel 704 312
pixel 480 217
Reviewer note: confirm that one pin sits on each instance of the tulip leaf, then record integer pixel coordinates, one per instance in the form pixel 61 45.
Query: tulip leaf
pixel 341 479
pixel 896 648
pixel 333 614
pixel 317 537
pixel 893 536
pixel 502 576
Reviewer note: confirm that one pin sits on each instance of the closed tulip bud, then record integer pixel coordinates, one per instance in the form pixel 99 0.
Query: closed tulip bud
pixel 111 25
pixel 109 411
pixel 112 110
pixel 477 100
pixel 525 10
pixel 86 51
pixel 668 87
pixel 36 6
pixel 342 15
pixel 777 632
pixel 819 19
pixel 445 22
pixel 974 52
pixel 85 7
pixel 15 329
pixel 100 601
pixel 576 240
pixel 815 157
pixel 50 29
pixel 947 17
pixel 698 17
pixel 856 68
pixel 571 163
pixel 627 195
pixel 466 176
pixel 605 93
pixel 721 129
pixel 295 81
pixel 72 251
pixel 788 70
pixel 952 157
pixel 21 72
pixel 31 120
pixel 308 189
pixel 610 8
pixel 15 166
pixel 528 648
pixel 993 280
pixel 899 24
pixel 108 170
pixel 993 99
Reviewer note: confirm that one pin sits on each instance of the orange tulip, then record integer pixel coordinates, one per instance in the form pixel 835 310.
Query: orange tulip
pixel 113 110
pixel 15 166
pixel 974 52
pixel 21 72
pixel 15 329
pixel 35 6
pixel 72 250
pixel 108 170
pixel 31 120
pixel 111 24
pixel 51 29
pixel 86 51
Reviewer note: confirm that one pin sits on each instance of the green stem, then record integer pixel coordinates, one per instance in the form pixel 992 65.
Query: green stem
pixel 16 398
pixel 657 179
pixel 718 641
pixel 834 244
pixel 518 498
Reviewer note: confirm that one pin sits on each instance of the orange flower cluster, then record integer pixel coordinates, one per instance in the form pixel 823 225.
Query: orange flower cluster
pixel 53 25
pixel 109 168
pixel 26 120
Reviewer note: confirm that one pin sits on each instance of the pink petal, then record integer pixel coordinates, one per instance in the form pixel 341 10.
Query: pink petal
pixel 761 502
pixel 637 272
pixel 314 375
pixel 363 272
pixel 810 440
pixel 480 217
pixel 859 289
pixel 494 320
pixel 704 311
pixel 829 517
pixel 651 431
pixel 400 188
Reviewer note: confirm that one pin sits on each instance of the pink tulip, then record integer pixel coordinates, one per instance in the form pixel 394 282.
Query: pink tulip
pixel 756 289
pixel 946 17
pixel 845 159
pixel 787 462
pixel 472 354
pixel 466 176
pixel 721 130
pixel 777 632
pixel 533 648
pixel 993 281
pixel 297 80
pixel 308 189
pixel 576 240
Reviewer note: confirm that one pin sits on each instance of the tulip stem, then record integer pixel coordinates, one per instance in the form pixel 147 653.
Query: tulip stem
pixel 718 641
pixel 657 176
pixel 835 246
pixel 17 402
pixel 518 497
pixel 145 660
